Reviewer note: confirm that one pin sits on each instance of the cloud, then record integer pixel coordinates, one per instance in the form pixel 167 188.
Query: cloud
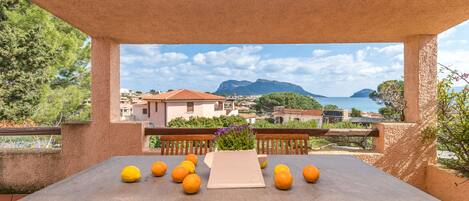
pixel 331 72
pixel 320 52
pixel 238 57
pixel 391 50
pixel 149 55
pixel 324 72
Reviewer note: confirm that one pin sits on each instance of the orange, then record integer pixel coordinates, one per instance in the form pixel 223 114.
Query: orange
pixel 280 168
pixel 191 183
pixel 311 173
pixel 158 168
pixel 179 173
pixel 283 180
pixel 193 158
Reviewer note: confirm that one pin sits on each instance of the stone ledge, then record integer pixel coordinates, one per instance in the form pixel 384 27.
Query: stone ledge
pixel 10 151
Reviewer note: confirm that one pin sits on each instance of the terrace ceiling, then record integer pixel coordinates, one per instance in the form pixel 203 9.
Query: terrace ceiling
pixel 258 21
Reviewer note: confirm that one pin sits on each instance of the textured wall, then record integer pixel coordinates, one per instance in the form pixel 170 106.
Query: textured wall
pixel 405 154
pixel 25 171
pixel 446 184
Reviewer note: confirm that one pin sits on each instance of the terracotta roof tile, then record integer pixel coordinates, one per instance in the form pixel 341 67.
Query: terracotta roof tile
pixel 183 94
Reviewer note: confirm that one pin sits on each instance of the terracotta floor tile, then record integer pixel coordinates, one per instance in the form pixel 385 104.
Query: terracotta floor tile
pixel 18 196
pixel 5 197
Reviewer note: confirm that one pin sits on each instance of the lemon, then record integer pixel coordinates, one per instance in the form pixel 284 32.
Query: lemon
pixel 130 174
pixel 264 164
pixel 281 168
pixel 189 165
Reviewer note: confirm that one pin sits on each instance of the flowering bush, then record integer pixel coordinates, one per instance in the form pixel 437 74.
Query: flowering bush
pixel 235 138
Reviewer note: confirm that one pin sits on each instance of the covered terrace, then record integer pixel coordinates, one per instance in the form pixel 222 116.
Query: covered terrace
pixel 399 148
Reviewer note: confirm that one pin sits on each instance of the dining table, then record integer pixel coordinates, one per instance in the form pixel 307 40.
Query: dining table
pixel 342 177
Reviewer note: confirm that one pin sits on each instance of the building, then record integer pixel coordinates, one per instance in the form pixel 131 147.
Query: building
pixel 334 116
pixel 372 115
pixel 140 111
pixel 282 115
pixel 126 111
pixel 249 117
pixel 160 109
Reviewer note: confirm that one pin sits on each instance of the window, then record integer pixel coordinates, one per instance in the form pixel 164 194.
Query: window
pixel 219 105
pixel 144 111
pixel 156 106
pixel 190 107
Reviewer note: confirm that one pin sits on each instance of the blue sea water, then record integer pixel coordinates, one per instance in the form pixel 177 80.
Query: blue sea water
pixel 363 104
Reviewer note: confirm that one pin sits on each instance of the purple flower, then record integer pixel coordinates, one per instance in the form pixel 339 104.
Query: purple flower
pixel 232 128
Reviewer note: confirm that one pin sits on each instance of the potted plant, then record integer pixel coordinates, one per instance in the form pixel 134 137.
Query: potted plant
pixel 235 138
pixel 234 164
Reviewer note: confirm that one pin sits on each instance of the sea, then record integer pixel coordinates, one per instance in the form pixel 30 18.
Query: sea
pixel 364 104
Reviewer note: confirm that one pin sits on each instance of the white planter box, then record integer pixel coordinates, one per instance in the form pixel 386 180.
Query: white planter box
pixel 234 169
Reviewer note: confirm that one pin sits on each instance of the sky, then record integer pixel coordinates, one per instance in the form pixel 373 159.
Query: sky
pixel 334 70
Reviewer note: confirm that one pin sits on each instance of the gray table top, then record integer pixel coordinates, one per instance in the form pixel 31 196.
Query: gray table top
pixel 342 178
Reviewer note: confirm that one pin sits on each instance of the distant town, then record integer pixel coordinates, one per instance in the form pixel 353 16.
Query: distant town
pixel 159 108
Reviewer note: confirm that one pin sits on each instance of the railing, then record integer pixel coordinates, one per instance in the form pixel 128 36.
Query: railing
pixel 311 132
pixel 188 131
pixel 361 134
pixel 30 131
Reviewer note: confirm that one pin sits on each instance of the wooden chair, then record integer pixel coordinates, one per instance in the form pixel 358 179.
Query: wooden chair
pixel 186 144
pixel 282 144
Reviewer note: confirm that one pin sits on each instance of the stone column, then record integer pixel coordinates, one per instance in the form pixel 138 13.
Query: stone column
pixel 105 80
pixel 105 98
pixel 405 153
pixel 420 78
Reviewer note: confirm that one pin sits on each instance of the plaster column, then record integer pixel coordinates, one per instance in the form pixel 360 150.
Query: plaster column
pixel 406 154
pixel 420 78
pixel 105 98
pixel 105 80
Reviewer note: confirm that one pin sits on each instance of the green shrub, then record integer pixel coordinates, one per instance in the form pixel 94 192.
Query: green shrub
pixel 155 142
pixel 342 124
pixel 204 122
pixel 289 124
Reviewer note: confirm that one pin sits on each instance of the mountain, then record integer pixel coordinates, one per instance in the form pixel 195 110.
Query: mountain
pixel 229 85
pixel 362 93
pixel 259 87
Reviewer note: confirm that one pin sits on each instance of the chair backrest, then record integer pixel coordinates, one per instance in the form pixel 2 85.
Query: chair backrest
pixel 186 144
pixel 282 144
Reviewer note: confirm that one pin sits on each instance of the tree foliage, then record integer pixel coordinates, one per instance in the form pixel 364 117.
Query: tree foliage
pixel 25 57
pixel 391 94
pixel 331 107
pixel 266 103
pixel 356 112
pixel 453 121
pixel 42 59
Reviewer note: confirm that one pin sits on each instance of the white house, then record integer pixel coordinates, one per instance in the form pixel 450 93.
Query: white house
pixel 160 109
